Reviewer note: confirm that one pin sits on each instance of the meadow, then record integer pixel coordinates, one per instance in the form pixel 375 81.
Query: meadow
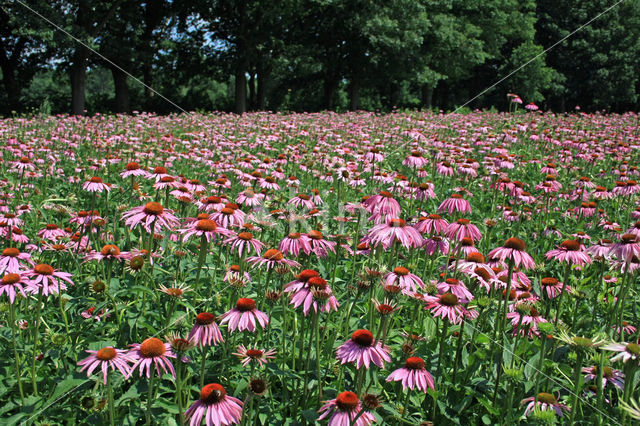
pixel 341 269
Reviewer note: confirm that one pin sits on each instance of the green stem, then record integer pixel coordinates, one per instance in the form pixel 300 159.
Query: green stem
pixel 110 399
pixel 577 383
pixel 12 319
pixel 149 400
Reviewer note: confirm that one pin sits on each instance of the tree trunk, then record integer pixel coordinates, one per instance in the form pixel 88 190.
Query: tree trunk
pixel 252 90
pixel 122 91
pixel 241 87
pixel 261 95
pixel 427 96
pixel 330 87
pixel 354 89
pixel 78 79
pixel 11 87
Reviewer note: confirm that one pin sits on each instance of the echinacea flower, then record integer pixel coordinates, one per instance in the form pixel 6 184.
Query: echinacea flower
pixel 413 375
pixel 362 350
pixel 431 225
pixel 205 331
pixel 552 287
pixel 105 358
pixel 455 204
pixel 386 234
pixel 344 410
pixel 152 216
pixel 462 228
pixel 514 250
pixel 571 252
pixel 215 407
pixel 46 280
pixel 204 227
pixel 447 306
pixel 546 401
pixel 609 376
pixel 294 243
pixel 12 282
pixel 95 184
pixel 271 259
pixel 244 316
pixel 254 355
pixel 626 248
pixel 625 351
pixel 152 351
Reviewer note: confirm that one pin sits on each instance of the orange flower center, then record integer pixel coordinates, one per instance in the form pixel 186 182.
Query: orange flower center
pixel 347 401
pixel 11 252
pixel 205 318
pixel 315 235
pixel 106 354
pixel 132 166
pixel 152 347
pixel 362 337
pixel 414 363
pixel 254 353
pixel 245 305
pixel 10 279
pixel 246 236
pixel 273 254
pixel 153 208
pixel 449 299
pixel 206 225
pixel 475 257
pixel 43 269
pixel 95 179
pixel 515 243
pixel 212 393
pixel 571 245
pixel 110 249
pixel 401 271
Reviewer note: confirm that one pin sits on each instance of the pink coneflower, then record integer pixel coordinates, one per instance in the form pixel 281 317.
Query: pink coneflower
pixel 294 243
pixel 436 244
pixel 344 409
pixel 552 287
pixel 52 232
pixel 108 252
pixel 315 294
pixel 10 260
pixel 609 376
pixel 268 182
pixel 211 204
pixel 215 406
pixel 447 306
pixel 514 250
pixel 157 174
pixel 413 375
pixel 152 216
pixel 271 259
pixel 455 204
pixel 133 169
pixel 12 282
pixel 257 356
pixel 302 200
pixel 152 351
pixel 392 231
pixel 207 227
pixel 46 280
pixel 626 248
pixel 362 350
pixel 546 402
pixel 244 242
pixel 415 160
pixel 526 316
pixel 626 328
pixel 457 287
pixel 92 314
pixel 95 184
pixel 570 251
pixel 320 246
pixel 301 280
pixel 249 198
pixel 444 168
pixel 235 277
pixel 531 107
pixel 205 331
pixel 10 220
pixel 462 228
pixel 229 216
pixel 244 316
pixel 402 277
pixel 600 250
pixel 105 358
pixel 626 351
pixel 383 204
pixel 431 225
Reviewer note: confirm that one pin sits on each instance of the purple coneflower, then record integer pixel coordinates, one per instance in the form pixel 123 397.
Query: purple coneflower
pixel 626 351
pixel 609 376
pixel 514 250
pixel 46 280
pixel 403 278
pixel 12 282
pixel 215 406
pixel 413 375
pixel 152 216
pixel 294 243
pixel 95 184
pixel 244 316
pixel 152 351
pixel 205 331
pixel 254 355
pixel 107 358
pixel 244 242
pixel 392 231
pixel 462 228
pixel 10 260
pixel 362 350
pixel 570 251
pixel 271 259
pixel 546 402
pixel 455 204
pixel 344 409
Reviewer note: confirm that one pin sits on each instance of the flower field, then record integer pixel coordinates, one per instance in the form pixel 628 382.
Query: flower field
pixel 341 269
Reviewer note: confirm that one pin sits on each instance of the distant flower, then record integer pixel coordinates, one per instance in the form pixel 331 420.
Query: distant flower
pixel 571 252
pixel 609 376
pixel 403 278
pixel 386 234
pixel 455 204
pixel 95 184
pixel 271 259
pixel 294 243
pixel 257 356
pixel 546 402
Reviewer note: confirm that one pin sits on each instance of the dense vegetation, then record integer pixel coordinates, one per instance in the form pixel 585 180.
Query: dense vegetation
pixel 310 55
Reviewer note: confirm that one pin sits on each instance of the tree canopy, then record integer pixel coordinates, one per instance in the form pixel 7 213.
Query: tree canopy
pixel 310 55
